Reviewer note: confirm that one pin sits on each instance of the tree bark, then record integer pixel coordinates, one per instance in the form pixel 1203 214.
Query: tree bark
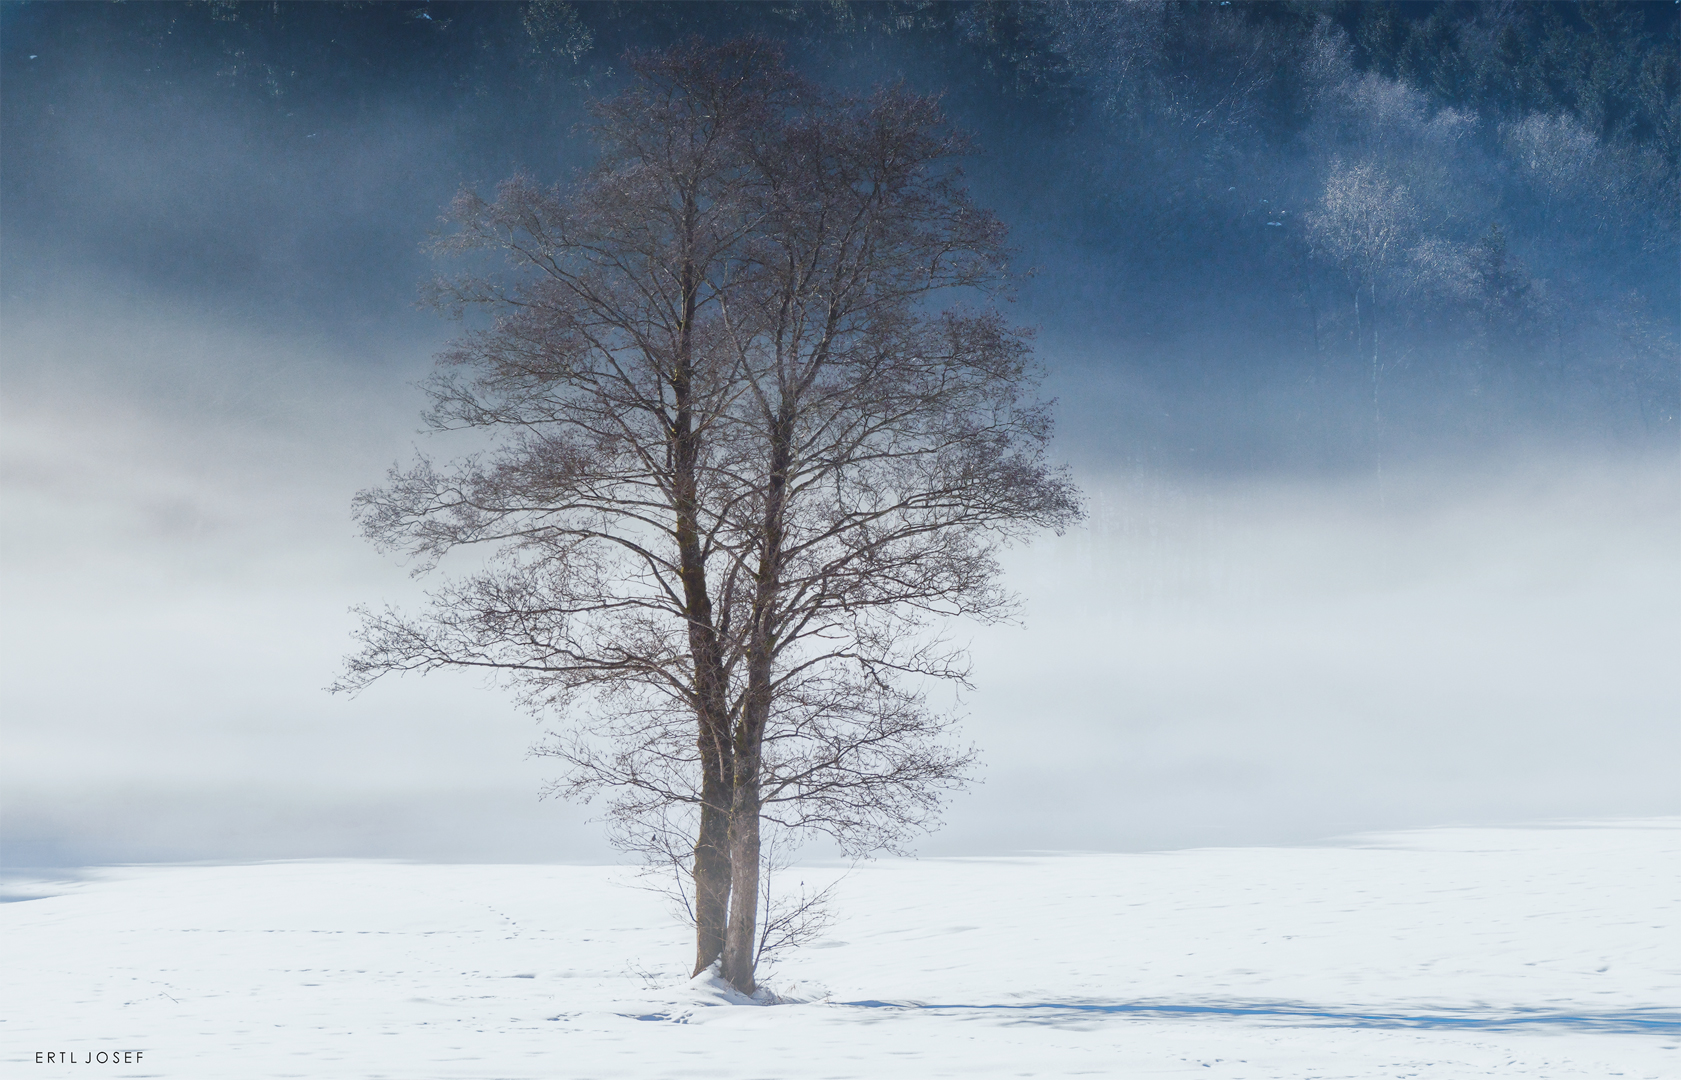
pixel 712 857
pixel 742 937
pixel 712 875
pixel 741 941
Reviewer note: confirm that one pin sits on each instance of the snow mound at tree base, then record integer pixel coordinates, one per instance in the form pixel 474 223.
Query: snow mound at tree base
pixel 710 988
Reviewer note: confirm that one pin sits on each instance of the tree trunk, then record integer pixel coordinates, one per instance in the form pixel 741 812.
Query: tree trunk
pixel 712 872
pixel 742 938
pixel 741 941
pixel 717 762
pixel 712 859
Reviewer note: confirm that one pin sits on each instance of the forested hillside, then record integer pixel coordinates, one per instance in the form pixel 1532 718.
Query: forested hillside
pixel 1301 232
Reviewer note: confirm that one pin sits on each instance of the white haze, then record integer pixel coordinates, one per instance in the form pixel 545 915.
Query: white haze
pixel 1209 661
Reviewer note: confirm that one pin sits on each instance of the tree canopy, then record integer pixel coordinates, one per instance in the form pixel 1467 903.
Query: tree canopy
pixel 745 463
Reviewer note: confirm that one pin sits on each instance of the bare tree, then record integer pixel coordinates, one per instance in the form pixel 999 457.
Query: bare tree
pixel 604 373
pixel 747 468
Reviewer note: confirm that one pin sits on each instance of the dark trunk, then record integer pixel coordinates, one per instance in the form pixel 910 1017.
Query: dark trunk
pixel 741 942
pixel 712 857
pixel 712 878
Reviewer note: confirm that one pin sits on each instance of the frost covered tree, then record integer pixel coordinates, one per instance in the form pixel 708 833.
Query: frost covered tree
pixel 743 462
pixel 1365 223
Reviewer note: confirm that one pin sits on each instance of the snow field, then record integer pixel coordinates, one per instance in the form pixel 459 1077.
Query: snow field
pixel 1545 952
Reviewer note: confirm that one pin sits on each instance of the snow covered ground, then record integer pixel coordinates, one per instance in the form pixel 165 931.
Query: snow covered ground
pixel 1451 953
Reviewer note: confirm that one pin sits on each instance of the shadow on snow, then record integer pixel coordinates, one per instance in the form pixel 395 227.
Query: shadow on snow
pixel 1650 1021
pixel 1635 1021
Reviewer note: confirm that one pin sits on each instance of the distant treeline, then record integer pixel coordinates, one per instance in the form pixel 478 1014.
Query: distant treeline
pixel 1408 208
pixel 1615 67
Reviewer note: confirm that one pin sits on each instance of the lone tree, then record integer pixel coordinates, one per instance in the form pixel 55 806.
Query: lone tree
pixel 743 466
